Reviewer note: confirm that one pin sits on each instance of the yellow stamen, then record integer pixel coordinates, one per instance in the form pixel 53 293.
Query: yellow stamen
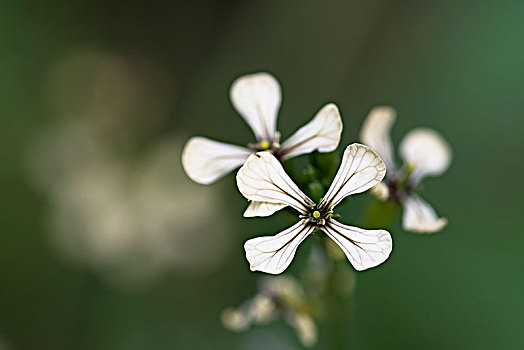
pixel 316 214
pixel 264 144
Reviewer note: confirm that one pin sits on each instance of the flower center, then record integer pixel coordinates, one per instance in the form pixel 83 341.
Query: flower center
pixel 316 215
pixel 264 145
pixel 410 167
pixel 398 190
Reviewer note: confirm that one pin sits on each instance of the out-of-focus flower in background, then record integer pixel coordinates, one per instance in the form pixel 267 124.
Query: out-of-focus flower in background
pixel 257 99
pixel 280 296
pixel 117 202
pixel 425 153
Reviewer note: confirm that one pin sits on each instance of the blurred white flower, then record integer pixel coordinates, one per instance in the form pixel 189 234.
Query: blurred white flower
pixel 262 178
pixel 277 296
pixel 128 215
pixel 257 98
pixel 123 218
pixel 425 153
pixel 260 309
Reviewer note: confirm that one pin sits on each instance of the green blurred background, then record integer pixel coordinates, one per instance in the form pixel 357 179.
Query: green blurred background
pixel 104 244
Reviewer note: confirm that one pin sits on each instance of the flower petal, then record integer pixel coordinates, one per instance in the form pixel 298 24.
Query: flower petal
pixel 420 217
pixel 426 151
pixel 361 169
pixel 263 179
pixel 304 326
pixel 257 98
pixel 273 254
pixel 363 248
pixel 322 133
pixel 380 191
pixel 376 133
pixel 205 160
pixel 262 209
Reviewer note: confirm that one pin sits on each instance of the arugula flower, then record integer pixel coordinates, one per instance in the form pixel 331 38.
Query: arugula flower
pixel 262 178
pixel 425 153
pixel 257 99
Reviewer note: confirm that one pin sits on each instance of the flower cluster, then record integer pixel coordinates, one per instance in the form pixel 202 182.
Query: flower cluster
pixel 263 180
pixel 257 98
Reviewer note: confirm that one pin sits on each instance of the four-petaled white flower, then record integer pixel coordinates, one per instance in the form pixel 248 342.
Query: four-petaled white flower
pixel 257 98
pixel 425 153
pixel 263 179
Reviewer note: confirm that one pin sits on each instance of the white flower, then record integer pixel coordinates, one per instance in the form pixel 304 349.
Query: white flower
pixel 425 153
pixel 262 178
pixel 257 98
pixel 278 296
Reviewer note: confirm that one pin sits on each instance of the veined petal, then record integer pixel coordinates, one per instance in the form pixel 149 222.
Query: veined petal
pixel 262 178
pixel 363 248
pixel 420 217
pixel 361 169
pixel 257 98
pixel 205 160
pixel 376 133
pixel 426 151
pixel 273 254
pixel 322 133
pixel 262 209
